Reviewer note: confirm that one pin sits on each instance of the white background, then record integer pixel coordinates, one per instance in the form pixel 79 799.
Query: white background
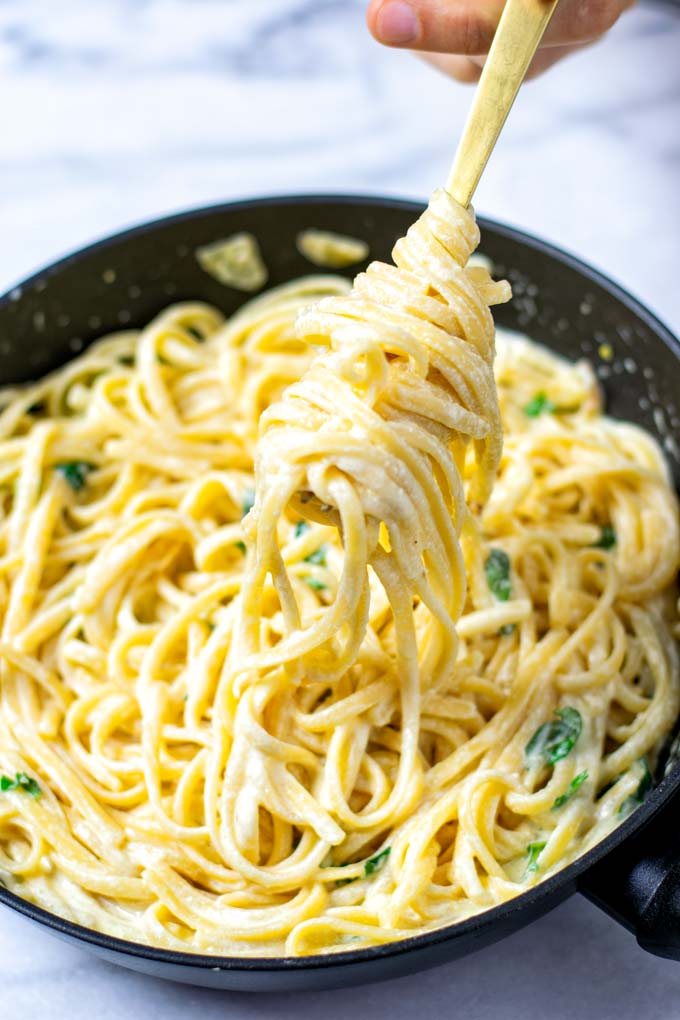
pixel 114 111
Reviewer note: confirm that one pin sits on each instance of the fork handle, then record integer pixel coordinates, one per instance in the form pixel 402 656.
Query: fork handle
pixel 519 32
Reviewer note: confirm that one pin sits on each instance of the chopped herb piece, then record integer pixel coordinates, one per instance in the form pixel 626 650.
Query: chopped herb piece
pixel 574 785
pixel 318 556
pixel 554 740
pixel 21 782
pixel 125 359
pixel 241 546
pixel 538 405
pixel 646 783
pixel 507 629
pixel 39 407
pixel 195 333
pixel 343 881
pixel 248 502
pixel 75 472
pixel 314 584
pixel 607 538
pixel 374 864
pixel 534 850
pixel 497 569
pixel 300 528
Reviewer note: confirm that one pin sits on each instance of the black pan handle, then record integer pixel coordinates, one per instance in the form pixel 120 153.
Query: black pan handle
pixel 638 883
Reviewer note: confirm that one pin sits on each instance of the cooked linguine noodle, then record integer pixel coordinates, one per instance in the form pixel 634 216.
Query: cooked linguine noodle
pixel 283 668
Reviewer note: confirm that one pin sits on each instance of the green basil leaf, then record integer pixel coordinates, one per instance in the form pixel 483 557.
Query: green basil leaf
pixel 534 850
pixel 318 556
pixel 646 784
pixel 314 584
pixel 342 881
pixel 248 502
pixel 374 864
pixel 574 785
pixel 75 472
pixel 21 782
pixel 554 740
pixel 607 538
pixel 497 570
pixel 241 546
pixel 539 404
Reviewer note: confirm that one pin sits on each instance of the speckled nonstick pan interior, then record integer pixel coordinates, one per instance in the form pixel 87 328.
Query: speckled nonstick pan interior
pixel 124 281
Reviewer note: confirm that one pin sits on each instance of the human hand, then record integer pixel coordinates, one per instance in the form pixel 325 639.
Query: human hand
pixel 455 35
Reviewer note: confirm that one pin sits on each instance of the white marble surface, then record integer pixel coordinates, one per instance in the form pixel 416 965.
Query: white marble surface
pixel 116 111
pixel 572 965
pixel 113 111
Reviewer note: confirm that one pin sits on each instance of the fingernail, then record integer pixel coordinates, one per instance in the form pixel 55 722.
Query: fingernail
pixel 397 23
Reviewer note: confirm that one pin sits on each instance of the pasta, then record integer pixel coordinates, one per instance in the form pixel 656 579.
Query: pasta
pixel 297 654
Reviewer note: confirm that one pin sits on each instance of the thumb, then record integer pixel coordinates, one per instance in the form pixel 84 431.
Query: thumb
pixel 468 69
pixel 468 26
pixel 456 26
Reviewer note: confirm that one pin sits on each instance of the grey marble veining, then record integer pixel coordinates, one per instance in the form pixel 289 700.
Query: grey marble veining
pixel 115 111
pixel 122 110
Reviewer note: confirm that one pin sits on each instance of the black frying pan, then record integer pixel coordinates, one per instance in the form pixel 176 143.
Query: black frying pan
pixel 634 874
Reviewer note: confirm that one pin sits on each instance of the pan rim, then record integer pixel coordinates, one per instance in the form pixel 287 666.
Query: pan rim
pixel 486 223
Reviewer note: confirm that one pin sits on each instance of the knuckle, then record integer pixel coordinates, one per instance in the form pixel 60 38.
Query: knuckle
pixel 603 14
pixel 472 33
pixel 468 72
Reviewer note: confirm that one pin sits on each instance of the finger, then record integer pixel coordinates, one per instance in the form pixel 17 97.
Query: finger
pixel 464 69
pixel 545 58
pixel 468 69
pixel 468 26
pixel 457 26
